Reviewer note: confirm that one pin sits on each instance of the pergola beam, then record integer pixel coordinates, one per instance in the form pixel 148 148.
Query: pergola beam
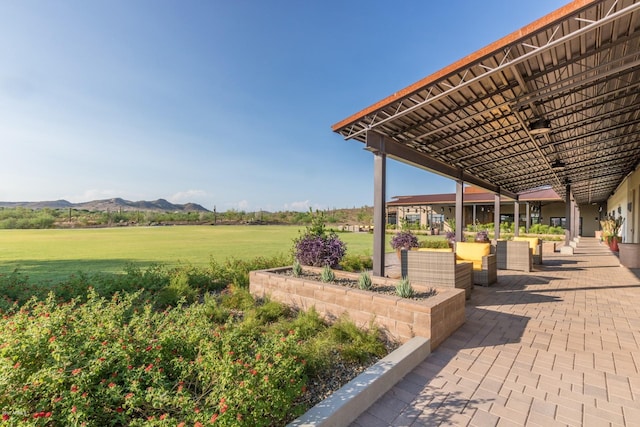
pixel 377 142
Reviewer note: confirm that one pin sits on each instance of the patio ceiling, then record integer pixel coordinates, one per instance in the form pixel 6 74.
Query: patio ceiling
pixel 578 67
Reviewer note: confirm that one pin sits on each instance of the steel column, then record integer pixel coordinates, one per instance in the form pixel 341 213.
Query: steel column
pixel 379 201
pixel 516 218
pixel 496 216
pixel 459 210
pixel 568 214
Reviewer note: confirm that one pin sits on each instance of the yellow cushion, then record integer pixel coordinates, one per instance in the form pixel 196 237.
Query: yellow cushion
pixel 472 251
pixel 435 249
pixel 533 242
pixel 477 265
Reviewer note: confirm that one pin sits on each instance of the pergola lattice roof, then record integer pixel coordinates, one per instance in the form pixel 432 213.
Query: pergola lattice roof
pixel 578 67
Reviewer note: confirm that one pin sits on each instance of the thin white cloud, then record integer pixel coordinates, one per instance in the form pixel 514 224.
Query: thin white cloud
pixel 242 205
pixel 297 206
pixel 189 196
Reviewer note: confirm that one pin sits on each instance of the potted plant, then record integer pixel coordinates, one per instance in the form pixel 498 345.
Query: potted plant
pixel 451 238
pixel 404 240
pixel 611 230
pixel 482 236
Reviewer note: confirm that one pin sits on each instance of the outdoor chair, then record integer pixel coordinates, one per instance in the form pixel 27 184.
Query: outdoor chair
pixel 514 255
pixel 484 262
pixel 436 268
pixel 536 246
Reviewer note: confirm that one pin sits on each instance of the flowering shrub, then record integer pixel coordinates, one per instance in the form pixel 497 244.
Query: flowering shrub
pixel 404 239
pixel 107 362
pixel 78 358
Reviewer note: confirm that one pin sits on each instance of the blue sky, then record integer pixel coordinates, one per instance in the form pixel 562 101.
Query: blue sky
pixel 223 103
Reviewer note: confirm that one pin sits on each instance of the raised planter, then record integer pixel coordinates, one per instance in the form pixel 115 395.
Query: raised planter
pixel 629 254
pixel 435 318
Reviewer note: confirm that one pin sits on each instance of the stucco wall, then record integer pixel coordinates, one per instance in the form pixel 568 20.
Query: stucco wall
pixel 625 202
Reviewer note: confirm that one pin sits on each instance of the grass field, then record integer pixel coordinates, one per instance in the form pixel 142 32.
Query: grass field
pixel 55 254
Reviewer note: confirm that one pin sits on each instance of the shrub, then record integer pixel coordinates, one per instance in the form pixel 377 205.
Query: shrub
pixel 364 281
pixel 296 268
pixel 404 239
pixel 434 244
pixel 556 230
pixel 106 362
pixel 177 290
pixel 120 361
pixel 356 263
pixel 236 272
pixel 327 274
pixel 355 344
pixel 318 248
pixel 404 289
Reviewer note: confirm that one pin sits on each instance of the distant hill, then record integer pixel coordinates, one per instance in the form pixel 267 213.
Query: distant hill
pixel 113 205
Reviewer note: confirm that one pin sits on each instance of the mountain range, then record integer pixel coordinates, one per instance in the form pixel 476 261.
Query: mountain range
pixel 115 204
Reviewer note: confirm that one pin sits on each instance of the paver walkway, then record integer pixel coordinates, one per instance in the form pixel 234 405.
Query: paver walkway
pixel 558 346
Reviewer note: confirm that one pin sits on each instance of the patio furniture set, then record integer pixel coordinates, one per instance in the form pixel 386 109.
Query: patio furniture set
pixel 470 263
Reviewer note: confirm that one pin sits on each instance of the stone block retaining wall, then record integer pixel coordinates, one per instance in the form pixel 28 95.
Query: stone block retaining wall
pixel 435 318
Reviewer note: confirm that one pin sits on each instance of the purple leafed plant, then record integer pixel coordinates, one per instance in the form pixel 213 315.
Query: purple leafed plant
pixel 482 236
pixel 319 251
pixel 404 239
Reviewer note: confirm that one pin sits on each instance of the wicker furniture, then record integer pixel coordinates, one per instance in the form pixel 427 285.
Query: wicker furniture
pixel 484 262
pixel 514 255
pixel 536 246
pixel 437 268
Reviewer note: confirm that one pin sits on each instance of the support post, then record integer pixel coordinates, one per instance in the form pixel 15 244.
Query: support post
pixel 459 211
pixel 496 216
pixel 379 201
pixel 528 217
pixel 474 214
pixel 568 215
pixel 516 218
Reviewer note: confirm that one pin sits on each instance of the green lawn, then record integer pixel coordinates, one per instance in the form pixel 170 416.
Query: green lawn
pixel 54 254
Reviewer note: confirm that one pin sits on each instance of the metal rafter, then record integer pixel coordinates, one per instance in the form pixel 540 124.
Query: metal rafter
pixel 580 69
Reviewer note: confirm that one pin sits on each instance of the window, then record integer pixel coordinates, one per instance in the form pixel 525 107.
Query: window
pixel 506 218
pixel 556 221
pixel 412 218
pixel 392 218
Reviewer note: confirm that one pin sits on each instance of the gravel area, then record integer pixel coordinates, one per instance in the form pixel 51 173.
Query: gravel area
pixel 387 290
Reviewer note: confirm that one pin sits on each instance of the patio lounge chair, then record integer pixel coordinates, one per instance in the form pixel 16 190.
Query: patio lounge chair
pixel 436 268
pixel 536 246
pixel 484 262
pixel 514 255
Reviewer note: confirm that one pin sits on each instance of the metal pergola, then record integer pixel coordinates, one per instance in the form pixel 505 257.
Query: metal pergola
pixel 556 103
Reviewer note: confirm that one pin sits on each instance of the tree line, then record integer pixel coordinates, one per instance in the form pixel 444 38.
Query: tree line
pixel 25 218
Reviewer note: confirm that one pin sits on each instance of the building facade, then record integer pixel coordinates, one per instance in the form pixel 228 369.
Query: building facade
pixel 542 206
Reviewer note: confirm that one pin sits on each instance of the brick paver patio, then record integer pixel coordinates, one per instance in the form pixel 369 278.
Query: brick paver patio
pixel 558 346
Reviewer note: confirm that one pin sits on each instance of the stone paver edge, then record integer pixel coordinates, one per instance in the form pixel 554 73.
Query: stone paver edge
pixel 355 397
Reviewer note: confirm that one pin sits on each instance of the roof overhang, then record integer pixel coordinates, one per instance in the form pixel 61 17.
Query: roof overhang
pixel 478 120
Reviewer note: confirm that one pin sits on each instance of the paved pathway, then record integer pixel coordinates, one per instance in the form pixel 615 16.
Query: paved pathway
pixel 558 346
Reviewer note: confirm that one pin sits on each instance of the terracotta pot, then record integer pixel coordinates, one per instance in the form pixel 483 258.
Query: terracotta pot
pixel 613 243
